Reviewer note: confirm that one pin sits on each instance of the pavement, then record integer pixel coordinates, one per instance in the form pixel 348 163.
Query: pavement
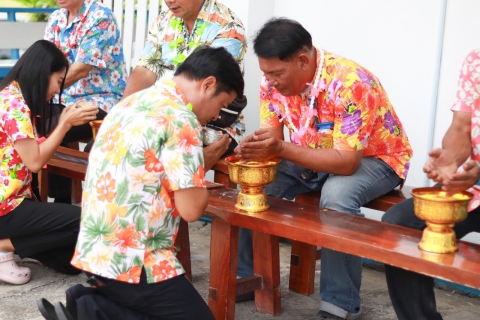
pixel 19 302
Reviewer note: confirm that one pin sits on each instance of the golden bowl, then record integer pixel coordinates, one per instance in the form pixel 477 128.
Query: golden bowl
pixel 95 124
pixel 440 212
pixel 252 177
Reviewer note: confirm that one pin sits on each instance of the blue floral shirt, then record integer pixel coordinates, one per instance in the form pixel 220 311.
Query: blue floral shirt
pixel 92 38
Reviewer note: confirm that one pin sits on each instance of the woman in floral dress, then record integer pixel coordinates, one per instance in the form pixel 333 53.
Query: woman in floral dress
pixel 43 231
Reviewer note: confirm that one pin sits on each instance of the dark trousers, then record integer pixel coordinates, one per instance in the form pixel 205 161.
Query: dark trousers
pixel 175 298
pixel 43 231
pixel 59 186
pixel 411 293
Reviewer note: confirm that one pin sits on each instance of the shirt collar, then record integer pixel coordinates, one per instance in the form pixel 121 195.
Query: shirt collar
pixel 84 9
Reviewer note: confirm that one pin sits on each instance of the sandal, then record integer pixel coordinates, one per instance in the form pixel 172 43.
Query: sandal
pixel 10 272
pixel 46 309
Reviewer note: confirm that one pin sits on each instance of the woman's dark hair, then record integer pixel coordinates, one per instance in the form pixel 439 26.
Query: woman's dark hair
pixel 217 62
pixel 32 72
pixel 281 38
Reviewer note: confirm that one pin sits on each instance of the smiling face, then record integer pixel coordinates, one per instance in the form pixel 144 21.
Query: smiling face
pixel 55 83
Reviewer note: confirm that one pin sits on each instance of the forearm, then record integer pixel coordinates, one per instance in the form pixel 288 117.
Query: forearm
pixel 457 139
pixel 141 78
pixel 77 71
pixel 321 160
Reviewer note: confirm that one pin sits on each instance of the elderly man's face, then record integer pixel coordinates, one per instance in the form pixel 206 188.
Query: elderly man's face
pixel 70 4
pixel 184 9
pixel 286 76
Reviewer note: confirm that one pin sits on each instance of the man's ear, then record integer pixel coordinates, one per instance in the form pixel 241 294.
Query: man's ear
pixel 209 85
pixel 303 61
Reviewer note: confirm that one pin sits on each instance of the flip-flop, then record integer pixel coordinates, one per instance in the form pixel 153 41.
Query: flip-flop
pixel 62 312
pixel 10 272
pixel 46 309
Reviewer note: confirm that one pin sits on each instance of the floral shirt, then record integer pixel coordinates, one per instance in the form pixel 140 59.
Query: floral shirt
pixel 169 44
pixel 92 38
pixel 351 111
pixel 468 100
pixel 15 124
pixel 148 146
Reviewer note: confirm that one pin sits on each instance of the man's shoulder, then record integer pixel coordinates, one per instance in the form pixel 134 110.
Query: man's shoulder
pixel 226 13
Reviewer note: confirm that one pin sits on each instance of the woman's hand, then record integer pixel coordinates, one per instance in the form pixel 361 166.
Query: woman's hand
pixel 77 114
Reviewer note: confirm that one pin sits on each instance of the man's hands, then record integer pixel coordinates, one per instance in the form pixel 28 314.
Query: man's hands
pixel 441 167
pixel 213 152
pixel 259 146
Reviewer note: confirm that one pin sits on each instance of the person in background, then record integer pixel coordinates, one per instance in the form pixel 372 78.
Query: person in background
pixel 174 35
pixel 87 33
pixel 455 167
pixel 146 172
pixel 346 140
pixel 46 232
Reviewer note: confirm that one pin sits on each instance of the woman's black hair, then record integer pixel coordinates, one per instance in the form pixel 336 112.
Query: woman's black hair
pixel 217 62
pixel 281 38
pixel 32 72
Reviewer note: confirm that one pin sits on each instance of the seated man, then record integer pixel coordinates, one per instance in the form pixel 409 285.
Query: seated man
pixel 412 293
pixel 146 171
pixel 174 35
pixel 87 33
pixel 346 141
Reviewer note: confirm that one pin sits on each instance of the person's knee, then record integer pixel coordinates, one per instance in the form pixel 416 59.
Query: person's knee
pixel 399 214
pixel 336 198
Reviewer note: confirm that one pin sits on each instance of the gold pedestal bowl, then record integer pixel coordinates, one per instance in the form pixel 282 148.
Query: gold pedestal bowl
pixel 252 177
pixel 440 212
pixel 95 124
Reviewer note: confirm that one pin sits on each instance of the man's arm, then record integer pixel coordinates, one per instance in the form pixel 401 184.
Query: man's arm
pixel 268 143
pixel 191 203
pixel 457 139
pixel 140 78
pixel 77 71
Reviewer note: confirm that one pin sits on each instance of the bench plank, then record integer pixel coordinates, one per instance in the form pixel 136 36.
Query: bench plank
pixel 386 243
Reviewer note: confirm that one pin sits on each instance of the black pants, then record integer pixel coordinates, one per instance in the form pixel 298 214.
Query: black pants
pixel 175 298
pixel 43 231
pixel 59 186
pixel 411 293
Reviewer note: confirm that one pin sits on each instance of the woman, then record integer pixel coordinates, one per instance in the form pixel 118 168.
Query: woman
pixel 43 231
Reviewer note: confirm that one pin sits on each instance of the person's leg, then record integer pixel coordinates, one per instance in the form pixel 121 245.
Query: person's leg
pixel 43 231
pixel 340 275
pixel 411 293
pixel 288 183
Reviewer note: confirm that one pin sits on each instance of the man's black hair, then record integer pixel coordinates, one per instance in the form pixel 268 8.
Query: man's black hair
pixel 32 72
pixel 217 62
pixel 281 38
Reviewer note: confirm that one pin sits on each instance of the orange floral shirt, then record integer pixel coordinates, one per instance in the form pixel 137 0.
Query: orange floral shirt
pixel 351 112
pixel 148 146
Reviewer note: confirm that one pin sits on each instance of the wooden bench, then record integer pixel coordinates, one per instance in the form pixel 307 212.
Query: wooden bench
pixel 303 255
pixel 382 242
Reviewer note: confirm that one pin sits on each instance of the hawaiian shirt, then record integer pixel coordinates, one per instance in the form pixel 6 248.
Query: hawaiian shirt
pixel 92 38
pixel 15 124
pixel 351 112
pixel 168 43
pixel 147 147
pixel 468 100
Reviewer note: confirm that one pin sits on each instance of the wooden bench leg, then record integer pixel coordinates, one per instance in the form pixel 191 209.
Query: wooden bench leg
pixel 43 177
pixel 223 269
pixel 302 268
pixel 266 263
pixel 182 244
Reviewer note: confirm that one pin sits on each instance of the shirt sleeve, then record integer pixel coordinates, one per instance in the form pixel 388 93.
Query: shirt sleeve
pixel 269 108
pixel 152 52
pixel 182 154
pixel 16 121
pixel 233 40
pixel 98 44
pixel 468 88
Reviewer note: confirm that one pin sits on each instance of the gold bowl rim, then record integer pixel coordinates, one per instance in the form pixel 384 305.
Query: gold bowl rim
pixel 419 192
pixel 232 161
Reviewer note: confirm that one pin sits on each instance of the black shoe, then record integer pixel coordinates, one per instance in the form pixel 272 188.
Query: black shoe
pixel 249 296
pixel 62 313
pixel 46 309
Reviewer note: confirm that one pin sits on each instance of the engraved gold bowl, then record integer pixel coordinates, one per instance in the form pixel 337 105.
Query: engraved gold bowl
pixel 252 177
pixel 95 124
pixel 440 214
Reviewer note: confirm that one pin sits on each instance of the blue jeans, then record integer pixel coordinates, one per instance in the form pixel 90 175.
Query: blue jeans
pixel 341 273
pixel 412 293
